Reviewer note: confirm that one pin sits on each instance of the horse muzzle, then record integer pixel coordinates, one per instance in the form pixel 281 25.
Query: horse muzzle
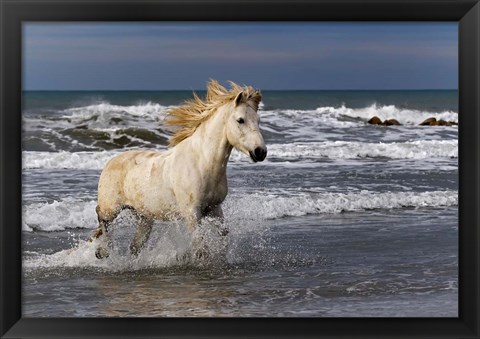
pixel 259 154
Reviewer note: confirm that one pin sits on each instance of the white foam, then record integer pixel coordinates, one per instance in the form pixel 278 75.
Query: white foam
pixel 69 213
pixel 167 247
pixel 100 116
pixel 66 160
pixel 301 119
pixel 404 116
pixel 274 206
pixel 60 215
pixel 172 245
pixel 147 109
pixel 341 116
pixel 420 149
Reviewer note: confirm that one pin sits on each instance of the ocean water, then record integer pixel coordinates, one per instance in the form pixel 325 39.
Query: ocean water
pixel 342 219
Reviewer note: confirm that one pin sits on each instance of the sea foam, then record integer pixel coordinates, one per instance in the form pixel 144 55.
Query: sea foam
pixel 345 117
pixel 419 149
pixel 67 160
pixel 147 109
pixel 70 213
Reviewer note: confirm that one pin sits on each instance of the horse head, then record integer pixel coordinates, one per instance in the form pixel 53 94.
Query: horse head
pixel 243 131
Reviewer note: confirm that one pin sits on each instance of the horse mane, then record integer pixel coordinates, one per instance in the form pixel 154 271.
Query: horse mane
pixel 187 117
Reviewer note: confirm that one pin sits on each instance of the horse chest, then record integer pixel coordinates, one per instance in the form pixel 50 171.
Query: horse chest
pixel 214 193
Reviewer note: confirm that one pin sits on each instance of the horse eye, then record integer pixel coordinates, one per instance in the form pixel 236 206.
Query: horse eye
pixel 240 121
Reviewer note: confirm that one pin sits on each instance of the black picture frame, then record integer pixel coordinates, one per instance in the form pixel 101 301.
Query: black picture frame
pixel 14 12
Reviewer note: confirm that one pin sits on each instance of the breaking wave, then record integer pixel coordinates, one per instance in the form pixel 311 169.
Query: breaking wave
pixel 105 126
pixel 348 117
pixel 70 213
pixel 420 149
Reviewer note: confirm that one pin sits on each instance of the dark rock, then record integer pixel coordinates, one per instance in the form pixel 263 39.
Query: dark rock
pixel 444 123
pixel 375 121
pixel 429 122
pixel 391 122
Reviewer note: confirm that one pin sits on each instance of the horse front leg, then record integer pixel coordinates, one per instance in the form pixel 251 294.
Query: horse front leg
pixel 192 218
pixel 217 213
pixel 142 233
pixel 105 220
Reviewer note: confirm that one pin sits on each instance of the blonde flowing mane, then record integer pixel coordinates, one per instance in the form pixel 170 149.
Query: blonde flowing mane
pixel 187 117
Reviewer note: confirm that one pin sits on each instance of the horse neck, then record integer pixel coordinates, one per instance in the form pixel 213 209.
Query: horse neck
pixel 210 143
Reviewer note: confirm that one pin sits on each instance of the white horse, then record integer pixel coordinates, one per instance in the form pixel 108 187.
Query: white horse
pixel 189 180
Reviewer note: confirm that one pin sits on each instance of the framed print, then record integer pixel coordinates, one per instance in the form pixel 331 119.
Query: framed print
pixel 240 169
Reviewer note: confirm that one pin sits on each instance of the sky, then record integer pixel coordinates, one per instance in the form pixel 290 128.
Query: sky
pixel 270 56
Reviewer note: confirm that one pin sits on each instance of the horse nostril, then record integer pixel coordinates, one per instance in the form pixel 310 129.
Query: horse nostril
pixel 260 153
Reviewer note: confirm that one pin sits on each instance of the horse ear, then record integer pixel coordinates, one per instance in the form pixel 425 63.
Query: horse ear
pixel 238 99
